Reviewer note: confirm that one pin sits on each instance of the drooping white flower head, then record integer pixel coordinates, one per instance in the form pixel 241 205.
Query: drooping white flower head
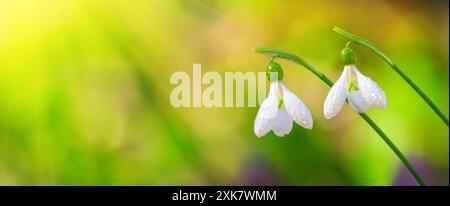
pixel 360 91
pixel 280 109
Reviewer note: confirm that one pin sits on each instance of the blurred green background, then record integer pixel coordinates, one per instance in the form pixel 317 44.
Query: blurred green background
pixel 84 92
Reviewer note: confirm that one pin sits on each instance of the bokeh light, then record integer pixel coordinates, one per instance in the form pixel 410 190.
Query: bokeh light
pixel 84 92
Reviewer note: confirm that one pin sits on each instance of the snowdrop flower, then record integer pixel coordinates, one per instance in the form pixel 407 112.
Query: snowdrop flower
pixel 360 91
pixel 280 108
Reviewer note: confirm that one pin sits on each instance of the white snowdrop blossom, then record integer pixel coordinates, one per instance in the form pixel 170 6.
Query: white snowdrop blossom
pixel 279 110
pixel 360 91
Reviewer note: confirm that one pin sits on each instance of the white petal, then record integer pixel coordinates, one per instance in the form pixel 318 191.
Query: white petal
pixel 283 123
pixel 370 90
pixel 267 112
pixel 357 102
pixel 296 108
pixel 336 97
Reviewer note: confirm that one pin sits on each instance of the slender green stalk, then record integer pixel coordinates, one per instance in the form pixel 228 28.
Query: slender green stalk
pixel 394 148
pixel 278 53
pixel 363 42
pixel 296 59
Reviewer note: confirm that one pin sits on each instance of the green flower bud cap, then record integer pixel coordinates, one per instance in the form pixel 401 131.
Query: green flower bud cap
pixel 274 72
pixel 348 56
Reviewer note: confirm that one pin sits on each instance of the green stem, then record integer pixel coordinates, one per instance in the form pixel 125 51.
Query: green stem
pixel 296 59
pixel 278 53
pixel 394 148
pixel 363 42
